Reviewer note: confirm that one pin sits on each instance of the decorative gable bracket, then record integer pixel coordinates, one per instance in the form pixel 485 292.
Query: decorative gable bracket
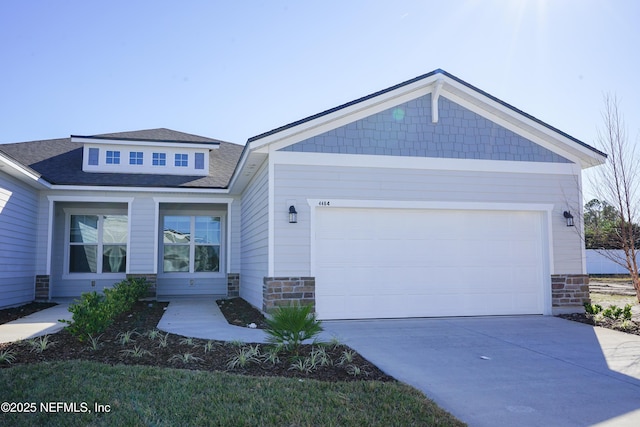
pixel 437 89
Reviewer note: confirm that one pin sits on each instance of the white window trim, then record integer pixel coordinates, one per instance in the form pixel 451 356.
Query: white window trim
pixel 227 224
pixel 223 267
pixel 68 212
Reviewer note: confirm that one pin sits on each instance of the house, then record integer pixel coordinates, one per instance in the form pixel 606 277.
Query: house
pixel 429 198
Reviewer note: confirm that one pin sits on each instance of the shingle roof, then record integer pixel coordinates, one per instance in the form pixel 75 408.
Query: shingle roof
pixel 159 135
pixel 59 161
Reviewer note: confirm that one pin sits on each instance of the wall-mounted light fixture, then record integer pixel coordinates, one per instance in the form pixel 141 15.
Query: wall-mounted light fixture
pixel 569 218
pixel 293 215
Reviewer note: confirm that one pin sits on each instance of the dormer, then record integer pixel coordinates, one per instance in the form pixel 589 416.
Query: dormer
pixel 108 154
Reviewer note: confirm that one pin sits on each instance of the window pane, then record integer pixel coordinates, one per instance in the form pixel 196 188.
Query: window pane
pixel 83 259
pixel 114 229
pixel 182 160
pixel 84 229
pixel 94 154
pixel 199 160
pixel 114 259
pixel 176 258
pixel 177 229
pixel 207 230
pixel 207 258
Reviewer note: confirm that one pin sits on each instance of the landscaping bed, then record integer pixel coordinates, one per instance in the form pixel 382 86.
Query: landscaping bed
pixel 161 349
pixel 11 314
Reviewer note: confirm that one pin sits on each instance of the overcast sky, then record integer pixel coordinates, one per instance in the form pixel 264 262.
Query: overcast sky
pixel 234 69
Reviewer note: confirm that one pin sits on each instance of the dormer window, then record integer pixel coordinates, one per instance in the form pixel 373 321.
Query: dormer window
pixel 135 158
pixel 94 155
pixel 159 159
pixel 113 157
pixel 182 160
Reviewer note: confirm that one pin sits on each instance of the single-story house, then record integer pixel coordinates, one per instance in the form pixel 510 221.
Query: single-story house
pixel 428 198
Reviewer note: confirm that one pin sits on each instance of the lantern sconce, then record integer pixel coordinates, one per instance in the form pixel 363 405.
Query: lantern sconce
pixel 569 218
pixel 293 215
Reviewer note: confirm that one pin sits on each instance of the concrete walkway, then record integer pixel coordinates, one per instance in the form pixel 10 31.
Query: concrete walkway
pixel 201 318
pixel 43 322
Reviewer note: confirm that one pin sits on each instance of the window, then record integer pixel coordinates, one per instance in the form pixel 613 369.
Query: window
pixel 98 243
pixel 159 159
pixel 182 160
pixel 191 244
pixel 94 154
pixel 135 158
pixel 199 160
pixel 113 157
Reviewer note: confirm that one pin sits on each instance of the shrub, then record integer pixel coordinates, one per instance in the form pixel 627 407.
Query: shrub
pixel 592 309
pixel 290 326
pixel 94 312
pixel 613 312
pixel 626 312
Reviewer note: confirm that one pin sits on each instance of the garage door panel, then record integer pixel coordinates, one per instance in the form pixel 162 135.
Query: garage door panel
pixel 376 263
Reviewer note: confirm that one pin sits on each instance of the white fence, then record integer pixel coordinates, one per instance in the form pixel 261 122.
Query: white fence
pixel 598 263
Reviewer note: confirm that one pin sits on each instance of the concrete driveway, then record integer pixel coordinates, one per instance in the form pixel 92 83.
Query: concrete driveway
pixel 508 371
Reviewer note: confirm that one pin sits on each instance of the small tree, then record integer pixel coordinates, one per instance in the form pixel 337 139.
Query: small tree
pixel 617 181
pixel 601 229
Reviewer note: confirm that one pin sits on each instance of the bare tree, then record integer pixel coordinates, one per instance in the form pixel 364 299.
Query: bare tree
pixel 617 181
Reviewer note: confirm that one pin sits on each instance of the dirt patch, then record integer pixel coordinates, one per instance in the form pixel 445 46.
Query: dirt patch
pixel 238 312
pixel 10 314
pixel 182 352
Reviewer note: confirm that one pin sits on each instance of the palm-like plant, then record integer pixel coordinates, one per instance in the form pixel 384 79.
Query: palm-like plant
pixel 290 326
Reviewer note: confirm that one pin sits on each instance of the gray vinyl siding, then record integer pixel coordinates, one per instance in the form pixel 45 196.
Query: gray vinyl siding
pixel 143 235
pixel 18 241
pixel 293 182
pixel 255 237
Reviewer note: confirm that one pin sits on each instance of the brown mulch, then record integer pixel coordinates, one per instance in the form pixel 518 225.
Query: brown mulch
pixel 630 326
pixel 240 313
pixel 144 318
pixel 10 314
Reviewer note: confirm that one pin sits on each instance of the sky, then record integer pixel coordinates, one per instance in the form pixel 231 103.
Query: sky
pixel 234 69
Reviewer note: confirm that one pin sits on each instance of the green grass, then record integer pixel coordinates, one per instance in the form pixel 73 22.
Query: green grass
pixel 140 395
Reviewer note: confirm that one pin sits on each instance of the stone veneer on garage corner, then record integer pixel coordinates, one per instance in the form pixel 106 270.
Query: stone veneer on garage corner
pixel 286 291
pixel 569 292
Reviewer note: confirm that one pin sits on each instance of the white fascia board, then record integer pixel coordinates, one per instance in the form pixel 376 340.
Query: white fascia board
pixel 194 200
pixel 63 198
pixel 247 166
pixel 422 163
pixel 345 115
pixel 126 142
pixel 522 125
pixel 22 173
pixel 140 189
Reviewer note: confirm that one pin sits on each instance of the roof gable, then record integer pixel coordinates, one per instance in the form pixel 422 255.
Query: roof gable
pixel 408 130
pixel 443 86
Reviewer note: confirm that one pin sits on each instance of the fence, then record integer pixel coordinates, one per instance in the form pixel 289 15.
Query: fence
pixel 598 263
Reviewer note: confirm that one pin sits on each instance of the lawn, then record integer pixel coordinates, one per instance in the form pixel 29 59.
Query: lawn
pixel 146 395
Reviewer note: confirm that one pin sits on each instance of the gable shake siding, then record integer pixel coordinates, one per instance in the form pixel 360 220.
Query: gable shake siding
pixel 18 241
pixel 302 182
pixel 255 237
pixel 407 130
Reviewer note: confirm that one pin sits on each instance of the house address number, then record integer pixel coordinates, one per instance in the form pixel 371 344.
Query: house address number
pixel 324 203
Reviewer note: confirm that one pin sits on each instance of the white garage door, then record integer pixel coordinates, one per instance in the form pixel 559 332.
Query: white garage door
pixel 386 263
